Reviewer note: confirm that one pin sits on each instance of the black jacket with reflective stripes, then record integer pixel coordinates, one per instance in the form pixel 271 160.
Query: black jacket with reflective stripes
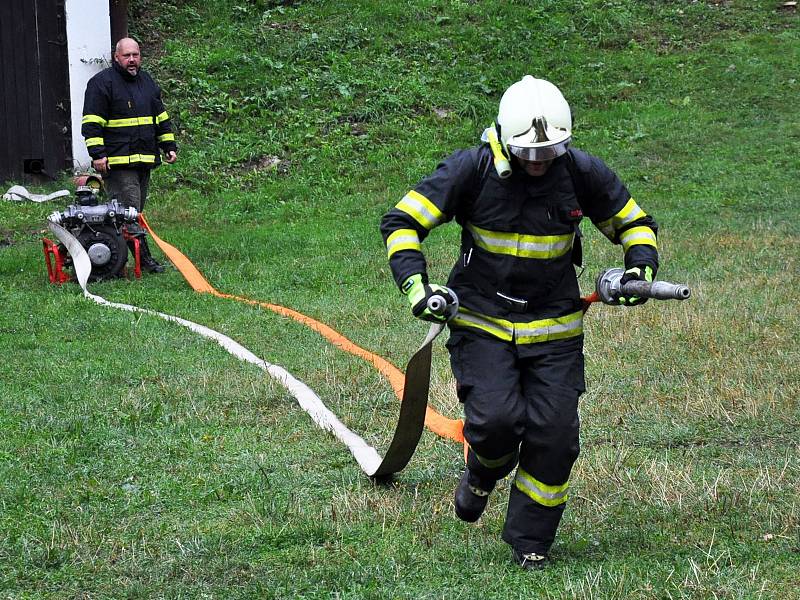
pixel 517 233
pixel 124 119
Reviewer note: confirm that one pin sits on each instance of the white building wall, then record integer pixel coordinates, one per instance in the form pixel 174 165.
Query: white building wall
pixel 89 51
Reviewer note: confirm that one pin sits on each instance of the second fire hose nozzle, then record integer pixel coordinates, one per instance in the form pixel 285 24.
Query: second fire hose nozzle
pixel 610 290
pixel 439 305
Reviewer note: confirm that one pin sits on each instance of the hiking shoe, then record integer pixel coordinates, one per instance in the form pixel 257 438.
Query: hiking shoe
pixel 529 560
pixel 470 500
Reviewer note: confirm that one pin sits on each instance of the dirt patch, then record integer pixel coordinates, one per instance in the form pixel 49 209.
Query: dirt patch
pixel 267 163
pixel 10 237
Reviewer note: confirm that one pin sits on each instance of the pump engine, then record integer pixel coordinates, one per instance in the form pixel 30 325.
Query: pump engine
pixel 100 228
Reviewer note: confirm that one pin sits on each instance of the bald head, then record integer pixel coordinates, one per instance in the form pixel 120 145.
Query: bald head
pixel 127 56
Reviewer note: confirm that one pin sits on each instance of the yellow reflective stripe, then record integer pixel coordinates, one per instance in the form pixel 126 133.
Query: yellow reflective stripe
pixel 125 160
pixel 162 117
pixel 95 141
pixel 550 329
pixel 132 122
pixel 636 236
pixel 167 137
pixel 629 213
pixel 541 493
pixel 93 119
pixel 521 245
pixel 493 463
pixel 499 328
pixel 402 239
pixel 422 210
pixel 532 332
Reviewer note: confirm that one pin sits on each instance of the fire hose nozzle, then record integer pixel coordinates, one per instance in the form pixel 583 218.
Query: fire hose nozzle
pixel 610 290
pixel 440 306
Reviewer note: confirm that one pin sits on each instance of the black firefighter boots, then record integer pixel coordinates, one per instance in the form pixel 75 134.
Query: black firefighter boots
pixel 529 560
pixel 471 497
pixel 149 263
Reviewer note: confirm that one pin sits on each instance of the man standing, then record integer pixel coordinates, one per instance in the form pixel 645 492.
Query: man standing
pixel 516 343
pixel 125 127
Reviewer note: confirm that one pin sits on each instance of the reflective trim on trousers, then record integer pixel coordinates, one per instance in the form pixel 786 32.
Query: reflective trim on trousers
pixel 541 493
pixel 493 463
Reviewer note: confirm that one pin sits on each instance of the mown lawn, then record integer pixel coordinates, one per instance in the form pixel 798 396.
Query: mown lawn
pixel 140 460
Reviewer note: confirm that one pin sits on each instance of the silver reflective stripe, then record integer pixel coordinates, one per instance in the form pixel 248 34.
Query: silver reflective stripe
pixel 638 235
pixel 421 209
pixel 504 331
pixel 630 212
pixel 402 239
pixel 520 244
pixel 493 463
pixel 542 330
pixel 552 327
pixel 547 495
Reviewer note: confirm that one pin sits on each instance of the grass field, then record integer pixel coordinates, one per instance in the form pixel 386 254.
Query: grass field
pixel 140 461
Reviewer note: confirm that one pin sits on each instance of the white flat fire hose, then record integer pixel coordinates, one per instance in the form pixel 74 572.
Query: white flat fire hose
pixel 17 193
pixel 366 456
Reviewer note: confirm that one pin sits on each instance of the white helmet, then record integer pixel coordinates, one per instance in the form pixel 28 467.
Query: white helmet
pixel 534 120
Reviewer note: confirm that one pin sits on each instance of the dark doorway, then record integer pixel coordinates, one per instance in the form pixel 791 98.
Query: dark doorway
pixel 34 91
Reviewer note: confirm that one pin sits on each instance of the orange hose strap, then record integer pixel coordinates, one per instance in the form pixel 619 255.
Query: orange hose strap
pixel 439 424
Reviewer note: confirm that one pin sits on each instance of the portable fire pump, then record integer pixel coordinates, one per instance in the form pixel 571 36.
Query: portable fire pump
pixel 106 231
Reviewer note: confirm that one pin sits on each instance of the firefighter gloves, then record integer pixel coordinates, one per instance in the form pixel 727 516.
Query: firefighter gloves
pixel 640 273
pixel 419 292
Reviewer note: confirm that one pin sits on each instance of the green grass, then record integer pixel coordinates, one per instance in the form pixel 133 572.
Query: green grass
pixel 140 460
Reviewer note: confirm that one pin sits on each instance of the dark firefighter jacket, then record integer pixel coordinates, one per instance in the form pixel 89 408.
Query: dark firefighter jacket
pixel 124 119
pixel 514 277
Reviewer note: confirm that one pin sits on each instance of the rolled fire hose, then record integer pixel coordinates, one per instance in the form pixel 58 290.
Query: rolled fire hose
pixel 412 410
pixel 18 193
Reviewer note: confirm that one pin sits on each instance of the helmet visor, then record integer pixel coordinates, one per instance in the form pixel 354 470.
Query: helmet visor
pixel 539 153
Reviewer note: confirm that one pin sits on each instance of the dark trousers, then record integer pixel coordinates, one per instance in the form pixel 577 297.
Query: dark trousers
pixel 521 408
pixel 128 185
